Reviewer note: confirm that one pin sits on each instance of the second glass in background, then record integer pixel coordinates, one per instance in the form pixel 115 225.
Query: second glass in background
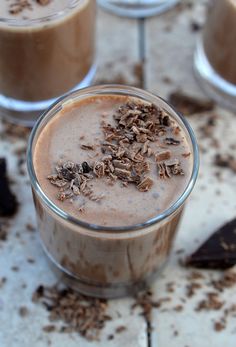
pixel 137 8
pixel 215 56
pixel 46 51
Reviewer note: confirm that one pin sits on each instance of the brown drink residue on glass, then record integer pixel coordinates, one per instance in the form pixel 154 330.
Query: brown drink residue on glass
pixel 219 38
pixel 43 58
pixel 112 161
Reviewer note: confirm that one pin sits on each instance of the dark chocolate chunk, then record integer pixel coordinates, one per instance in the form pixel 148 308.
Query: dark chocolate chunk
pixel 8 202
pixel 219 251
pixel 188 105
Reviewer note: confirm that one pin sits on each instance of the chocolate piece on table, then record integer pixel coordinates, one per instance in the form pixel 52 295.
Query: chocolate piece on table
pixel 189 105
pixel 8 202
pixel 219 251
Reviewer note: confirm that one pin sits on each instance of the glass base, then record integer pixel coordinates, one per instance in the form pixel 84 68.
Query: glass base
pixel 107 291
pixel 137 8
pixel 220 90
pixel 26 113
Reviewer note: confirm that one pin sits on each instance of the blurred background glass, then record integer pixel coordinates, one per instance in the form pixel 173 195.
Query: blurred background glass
pixel 137 8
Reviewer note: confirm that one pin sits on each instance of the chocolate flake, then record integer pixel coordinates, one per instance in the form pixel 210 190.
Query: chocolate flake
pixel 171 141
pixel 163 155
pixel 145 185
pixel 219 251
pixel 87 147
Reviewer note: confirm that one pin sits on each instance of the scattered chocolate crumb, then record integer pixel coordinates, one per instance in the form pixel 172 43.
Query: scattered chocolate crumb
pixel 31 260
pixel 8 202
pixel 14 131
pixel 192 288
pixel 120 329
pixel 167 80
pixel 23 311
pixel 43 2
pixel 219 326
pixel 30 227
pixel 178 308
pixel 212 302
pixel 110 337
pixel 195 26
pixel 3 280
pixel 195 275
pixel 145 301
pixel 225 161
pixel 79 313
pixel 15 268
pixel 3 230
pixel 228 280
pixel 189 105
pixel 49 328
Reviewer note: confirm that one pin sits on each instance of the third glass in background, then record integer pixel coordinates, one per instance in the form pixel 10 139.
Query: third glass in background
pixel 137 8
pixel 215 57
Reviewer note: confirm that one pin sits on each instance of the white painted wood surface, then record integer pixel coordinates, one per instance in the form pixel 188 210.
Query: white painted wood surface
pixel 169 50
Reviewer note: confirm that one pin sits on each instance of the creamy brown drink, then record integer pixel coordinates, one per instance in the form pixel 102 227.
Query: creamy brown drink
pixel 219 38
pixel 47 47
pixel 114 163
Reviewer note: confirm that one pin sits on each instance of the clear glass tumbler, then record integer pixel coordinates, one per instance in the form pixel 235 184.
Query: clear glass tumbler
pixel 137 8
pixel 100 260
pixel 215 56
pixel 46 51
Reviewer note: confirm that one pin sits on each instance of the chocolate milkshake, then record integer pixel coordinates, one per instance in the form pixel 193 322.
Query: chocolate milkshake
pixel 219 38
pixel 113 162
pixel 47 49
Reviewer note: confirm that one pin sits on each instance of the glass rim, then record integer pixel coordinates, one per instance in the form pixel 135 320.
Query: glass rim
pixel 101 90
pixel 22 23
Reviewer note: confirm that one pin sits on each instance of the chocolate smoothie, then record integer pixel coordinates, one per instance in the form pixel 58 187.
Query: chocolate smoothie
pixel 114 161
pixel 47 47
pixel 219 38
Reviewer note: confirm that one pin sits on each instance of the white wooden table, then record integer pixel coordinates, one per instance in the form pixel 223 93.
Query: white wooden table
pixel 169 47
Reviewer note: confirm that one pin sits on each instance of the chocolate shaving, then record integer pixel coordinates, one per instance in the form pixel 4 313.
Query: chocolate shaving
pixel 171 141
pixel 145 185
pixel 87 147
pixel 125 148
pixel 163 155
pixel 79 313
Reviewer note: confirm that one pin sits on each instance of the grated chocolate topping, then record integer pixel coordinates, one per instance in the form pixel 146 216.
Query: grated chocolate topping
pixel 126 151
